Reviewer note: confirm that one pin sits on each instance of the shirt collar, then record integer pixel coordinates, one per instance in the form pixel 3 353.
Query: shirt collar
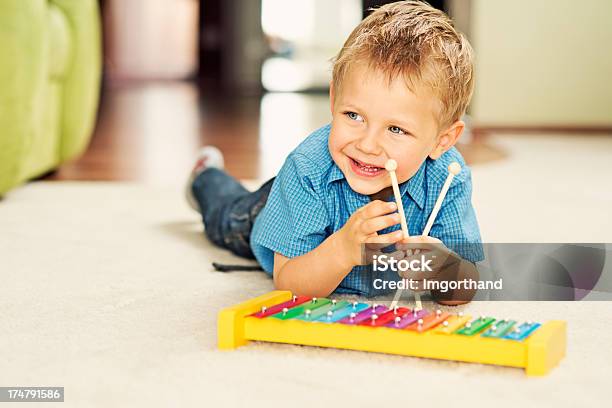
pixel 414 187
pixel 335 174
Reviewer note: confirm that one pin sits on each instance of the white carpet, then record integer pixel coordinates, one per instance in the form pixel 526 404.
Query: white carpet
pixel 551 189
pixel 107 289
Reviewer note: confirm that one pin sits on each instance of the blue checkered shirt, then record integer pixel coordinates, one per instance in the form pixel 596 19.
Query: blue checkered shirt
pixel 311 199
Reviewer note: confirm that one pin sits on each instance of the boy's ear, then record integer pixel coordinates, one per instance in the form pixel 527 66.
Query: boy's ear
pixel 331 96
pixel 447 139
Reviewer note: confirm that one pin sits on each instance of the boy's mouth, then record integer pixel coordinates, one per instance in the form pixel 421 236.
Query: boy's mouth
pixel 364 169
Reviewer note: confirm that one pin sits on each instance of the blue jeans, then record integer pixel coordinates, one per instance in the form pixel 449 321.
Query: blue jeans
pixel 228 209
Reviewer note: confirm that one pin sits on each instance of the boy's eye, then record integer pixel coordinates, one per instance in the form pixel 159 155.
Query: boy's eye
pixel 396 130
pixel 354 116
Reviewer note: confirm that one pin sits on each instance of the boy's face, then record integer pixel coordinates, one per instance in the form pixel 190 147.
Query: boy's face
pixel 374 120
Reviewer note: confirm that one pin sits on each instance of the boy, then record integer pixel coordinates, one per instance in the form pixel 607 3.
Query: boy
pixel 399 87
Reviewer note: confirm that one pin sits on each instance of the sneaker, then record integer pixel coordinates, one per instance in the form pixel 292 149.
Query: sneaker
pixel 208 156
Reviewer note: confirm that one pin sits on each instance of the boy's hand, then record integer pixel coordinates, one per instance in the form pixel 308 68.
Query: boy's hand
pixel 362 228
pixel 434 251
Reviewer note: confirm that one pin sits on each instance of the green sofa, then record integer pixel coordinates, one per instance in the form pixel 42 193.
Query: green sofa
pixel 50 68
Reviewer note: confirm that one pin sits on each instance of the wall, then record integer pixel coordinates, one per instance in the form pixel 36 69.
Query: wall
pixel 545 62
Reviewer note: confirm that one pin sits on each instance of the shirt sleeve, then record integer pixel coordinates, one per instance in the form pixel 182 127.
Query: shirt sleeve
pixel 456 225
pixel 294 220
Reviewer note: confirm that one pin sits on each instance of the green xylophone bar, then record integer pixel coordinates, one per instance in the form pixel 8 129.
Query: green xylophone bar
pixel 500 328
pixel 326 310
pixel 313 304
pixel 472 328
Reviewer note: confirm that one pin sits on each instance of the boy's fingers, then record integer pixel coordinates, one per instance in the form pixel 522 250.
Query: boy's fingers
pixel 420 243
pixel 377 208
pixel 397 255
pixel 413 249
pixel 374 247
pixel 389 238
pixel 379 223
pixel 421 239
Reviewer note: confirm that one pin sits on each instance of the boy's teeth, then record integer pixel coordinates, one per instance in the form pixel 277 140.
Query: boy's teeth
pixel 369 168
pixel 366 167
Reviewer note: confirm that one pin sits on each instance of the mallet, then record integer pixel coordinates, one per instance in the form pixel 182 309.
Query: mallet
pixel 453 169
pixel 391 166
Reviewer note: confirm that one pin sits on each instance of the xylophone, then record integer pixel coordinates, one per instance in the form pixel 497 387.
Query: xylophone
pixel 281 317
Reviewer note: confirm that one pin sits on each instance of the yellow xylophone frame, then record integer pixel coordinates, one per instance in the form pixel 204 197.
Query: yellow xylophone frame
pixel 538 354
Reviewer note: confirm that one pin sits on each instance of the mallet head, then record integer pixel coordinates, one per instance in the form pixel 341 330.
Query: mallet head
pixel 391 165
pixel 454 168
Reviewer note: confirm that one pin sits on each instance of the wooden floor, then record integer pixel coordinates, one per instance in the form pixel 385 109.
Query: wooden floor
pixel 151 132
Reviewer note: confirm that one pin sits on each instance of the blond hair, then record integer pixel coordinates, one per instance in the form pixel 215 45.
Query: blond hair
pixel 415 40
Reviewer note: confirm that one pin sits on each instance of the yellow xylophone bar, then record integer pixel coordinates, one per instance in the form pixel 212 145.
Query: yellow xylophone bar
pixel 538 354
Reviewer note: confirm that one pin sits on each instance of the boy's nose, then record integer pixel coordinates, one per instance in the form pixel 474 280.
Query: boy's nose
pixel 368 143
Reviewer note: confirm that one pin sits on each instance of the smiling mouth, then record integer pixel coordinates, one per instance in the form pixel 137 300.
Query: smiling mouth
pixel 365 169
